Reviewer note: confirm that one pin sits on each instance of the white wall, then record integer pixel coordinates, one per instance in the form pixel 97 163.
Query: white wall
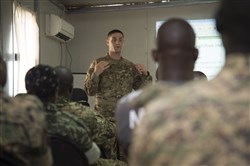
pixel 139 28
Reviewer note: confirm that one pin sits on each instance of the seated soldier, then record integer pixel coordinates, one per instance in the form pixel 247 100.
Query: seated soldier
pixel 42 81
pixel 205 123
pixel 176 55
pixel 101 130
pixel 22 123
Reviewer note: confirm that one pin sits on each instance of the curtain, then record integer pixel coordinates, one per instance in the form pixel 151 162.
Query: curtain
pixel 26 36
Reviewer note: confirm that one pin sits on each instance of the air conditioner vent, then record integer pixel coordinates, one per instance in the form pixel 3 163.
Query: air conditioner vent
pixel 62 36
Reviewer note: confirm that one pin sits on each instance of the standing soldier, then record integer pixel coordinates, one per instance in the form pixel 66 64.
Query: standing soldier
pixel 111 77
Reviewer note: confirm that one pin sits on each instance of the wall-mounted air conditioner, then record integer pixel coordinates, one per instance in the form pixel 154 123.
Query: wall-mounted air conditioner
pixel 58 28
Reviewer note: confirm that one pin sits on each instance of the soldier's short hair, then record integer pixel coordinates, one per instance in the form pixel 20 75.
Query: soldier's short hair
pixel 115 31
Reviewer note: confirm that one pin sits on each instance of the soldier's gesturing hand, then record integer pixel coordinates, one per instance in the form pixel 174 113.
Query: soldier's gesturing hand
pixel 141 68
pixel 100 67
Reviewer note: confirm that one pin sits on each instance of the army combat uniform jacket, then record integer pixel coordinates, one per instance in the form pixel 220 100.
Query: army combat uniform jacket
pixel 130 109
pixel 116 81
pixel 200 124
pixel 23 130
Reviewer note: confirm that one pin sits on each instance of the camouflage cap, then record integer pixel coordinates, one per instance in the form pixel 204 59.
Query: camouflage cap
pixel 41 81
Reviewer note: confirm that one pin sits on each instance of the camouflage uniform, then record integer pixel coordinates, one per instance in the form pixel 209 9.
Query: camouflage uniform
pixel 23 125
pixel 65 124
pixel 100 129
pixel 116 81
pixel 200 124
pixel 151 92
pixel 130 109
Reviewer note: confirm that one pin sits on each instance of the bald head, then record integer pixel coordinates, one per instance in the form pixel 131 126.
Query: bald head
pixel 65 81
pixel 3 72
pixel 175 33
pixel 176 52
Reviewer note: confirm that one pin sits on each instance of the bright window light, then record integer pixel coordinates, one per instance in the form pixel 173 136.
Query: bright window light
pixel 26 45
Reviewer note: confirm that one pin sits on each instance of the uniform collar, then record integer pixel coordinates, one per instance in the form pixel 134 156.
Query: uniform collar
pixel 109 58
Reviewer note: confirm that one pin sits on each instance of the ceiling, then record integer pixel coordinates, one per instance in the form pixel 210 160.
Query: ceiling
pixel 80 6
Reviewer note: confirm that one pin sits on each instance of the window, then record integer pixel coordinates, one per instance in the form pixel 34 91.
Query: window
pixel 26 45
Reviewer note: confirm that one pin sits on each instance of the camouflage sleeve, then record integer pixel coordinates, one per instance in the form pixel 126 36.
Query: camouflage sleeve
pixel 77 130
pixel 91 81
pixel 105 129
pixel 77 134
pixel 90 149
pixel 141 80
pixel 99 128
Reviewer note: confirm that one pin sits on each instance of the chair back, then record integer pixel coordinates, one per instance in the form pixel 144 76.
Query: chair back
pixel 66 153
pixel 80 96
pixel 7 160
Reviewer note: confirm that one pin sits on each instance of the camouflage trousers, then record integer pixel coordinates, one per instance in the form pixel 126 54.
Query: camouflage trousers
pixel 109 113
pixel 121 155
pixel 109 149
